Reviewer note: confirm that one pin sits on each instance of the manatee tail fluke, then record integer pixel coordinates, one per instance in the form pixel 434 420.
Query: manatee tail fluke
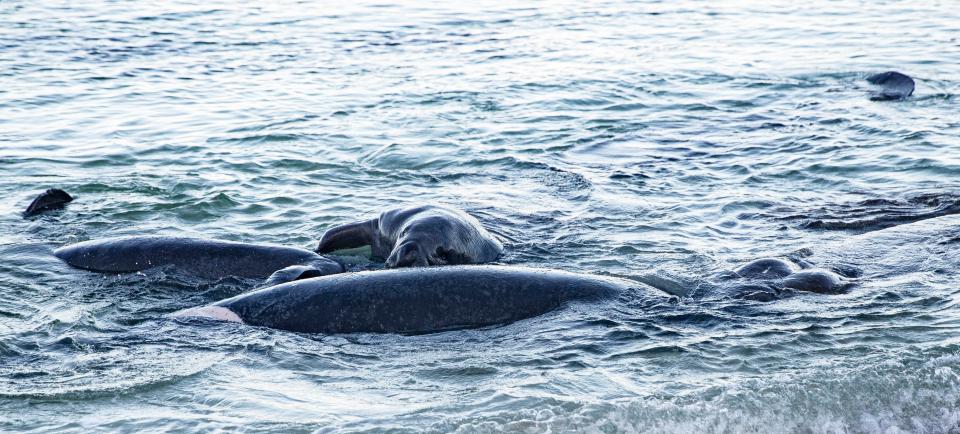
pixel 51 199
pixel 348 236
pixel 893 86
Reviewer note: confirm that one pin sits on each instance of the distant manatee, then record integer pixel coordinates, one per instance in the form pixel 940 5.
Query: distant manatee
pixel 51 199
pixel 767 279
pixel 893 86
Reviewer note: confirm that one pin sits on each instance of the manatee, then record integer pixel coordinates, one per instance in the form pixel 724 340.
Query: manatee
pixel 418 236
pixel 893 86
pixel 414 300
pixel 205 258
pixel 51 199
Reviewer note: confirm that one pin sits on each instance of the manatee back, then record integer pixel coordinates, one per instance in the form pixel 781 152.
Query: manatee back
pixel 418 300
pixel 200 257
pixel 893 86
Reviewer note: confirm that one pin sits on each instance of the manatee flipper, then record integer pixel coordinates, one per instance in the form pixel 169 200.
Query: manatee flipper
pixel 348 236
pixel 51 199
pixel 894 86
pixel 291 273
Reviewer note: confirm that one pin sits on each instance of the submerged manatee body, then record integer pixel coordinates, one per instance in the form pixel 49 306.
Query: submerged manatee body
pixel 213 259
pixel 931 245
pixel 926 246
pixel 893 86
pixel 414 300
pixel 767 279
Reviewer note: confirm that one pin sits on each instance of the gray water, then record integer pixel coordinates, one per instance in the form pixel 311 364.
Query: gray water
pixel 659 141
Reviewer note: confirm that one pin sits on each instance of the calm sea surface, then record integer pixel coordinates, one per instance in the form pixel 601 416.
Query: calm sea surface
pixel 659 141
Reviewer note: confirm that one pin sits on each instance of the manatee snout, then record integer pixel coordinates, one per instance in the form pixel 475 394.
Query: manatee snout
pixel 408 254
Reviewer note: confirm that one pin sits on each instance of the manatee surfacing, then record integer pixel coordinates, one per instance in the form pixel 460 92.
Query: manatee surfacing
pixel 893 86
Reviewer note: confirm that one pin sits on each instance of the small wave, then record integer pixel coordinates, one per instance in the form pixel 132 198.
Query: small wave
pixel 262 138
pixel 897 395
pixel 118 370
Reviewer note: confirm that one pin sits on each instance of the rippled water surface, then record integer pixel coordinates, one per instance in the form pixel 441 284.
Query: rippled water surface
pixel 660 141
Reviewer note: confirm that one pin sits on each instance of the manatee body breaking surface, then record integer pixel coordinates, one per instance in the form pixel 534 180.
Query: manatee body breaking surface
pixel 204 258
pixel 415 300
pixel 893 86
pixel 49 200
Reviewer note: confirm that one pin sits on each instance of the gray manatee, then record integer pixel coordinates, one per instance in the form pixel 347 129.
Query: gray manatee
pixel 415 300
pixel 51 199
pixel 211 259
pixel 893 86
pixel 418 236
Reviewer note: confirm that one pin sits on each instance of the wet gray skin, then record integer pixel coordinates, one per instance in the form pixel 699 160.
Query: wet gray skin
pixel 815 280
pixel 893 86
pixel 294 272
pixel 417 300
pixel 418 236
pixel 49 200
pixel 767 279
pixel 211 259
pixel 766 268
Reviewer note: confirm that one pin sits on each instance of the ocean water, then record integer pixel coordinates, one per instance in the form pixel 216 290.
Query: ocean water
pixel 663 142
